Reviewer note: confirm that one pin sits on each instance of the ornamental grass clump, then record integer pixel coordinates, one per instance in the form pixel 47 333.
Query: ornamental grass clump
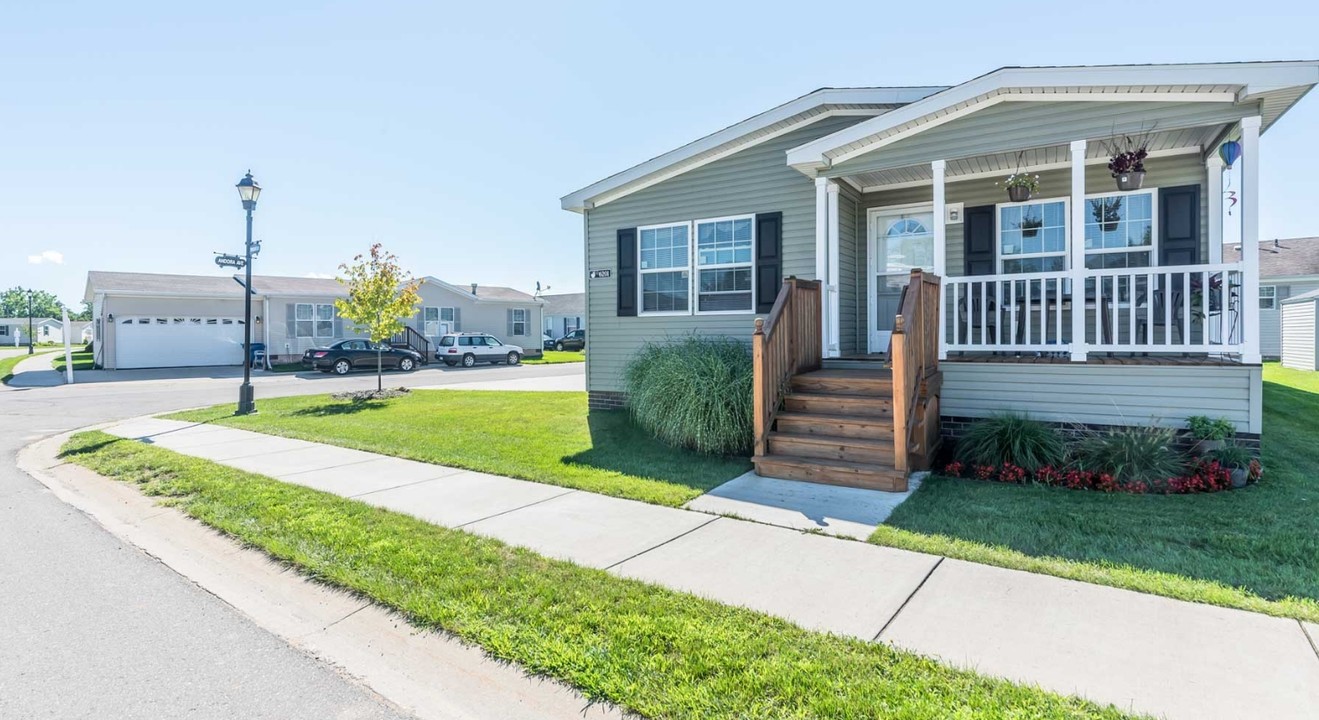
pixel 1132 454
pixel 1011 440
pixel 694 393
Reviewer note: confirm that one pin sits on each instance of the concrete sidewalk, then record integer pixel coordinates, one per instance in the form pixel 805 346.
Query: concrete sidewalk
pixel 1139 652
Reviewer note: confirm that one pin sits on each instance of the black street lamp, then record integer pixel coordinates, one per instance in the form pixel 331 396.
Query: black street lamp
pixel 30 349
pixel 248 191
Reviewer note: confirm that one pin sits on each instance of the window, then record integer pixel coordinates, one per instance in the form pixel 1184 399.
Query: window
pixel 313 320
pixel 1119 231
pixel 446 341
pixel 45 331
pixel 4 330
pixel 665 268
pixel 492 342
pixel 1268 297
pixel 723 261
pixel 430 321
pixel 518 322
pixel 1032 236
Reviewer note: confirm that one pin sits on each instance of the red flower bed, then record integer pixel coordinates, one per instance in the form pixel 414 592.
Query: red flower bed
pixel 1205 476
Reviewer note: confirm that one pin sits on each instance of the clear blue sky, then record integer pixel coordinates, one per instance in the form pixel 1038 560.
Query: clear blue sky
pixel 448 131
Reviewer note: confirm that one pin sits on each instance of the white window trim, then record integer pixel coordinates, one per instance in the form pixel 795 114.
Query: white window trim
pixel 1154 225
pixel 998 235
pixel 691 299
pixel 1272 298
pixel 451 314
pixel 334 314
pixel 526 318
pixel 695 303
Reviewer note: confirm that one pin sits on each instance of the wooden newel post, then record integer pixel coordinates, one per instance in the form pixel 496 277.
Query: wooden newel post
pixel 758 386
pixel 898 350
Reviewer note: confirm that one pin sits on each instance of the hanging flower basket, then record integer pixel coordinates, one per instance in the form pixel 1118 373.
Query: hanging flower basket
pixel 1021 186
pixel 1018 193
pixel 1130 180
pixel 1126 159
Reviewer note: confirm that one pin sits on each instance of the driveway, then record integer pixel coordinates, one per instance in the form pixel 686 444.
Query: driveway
pixel 90 627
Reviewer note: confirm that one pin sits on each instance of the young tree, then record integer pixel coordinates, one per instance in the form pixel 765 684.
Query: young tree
pixel 380 296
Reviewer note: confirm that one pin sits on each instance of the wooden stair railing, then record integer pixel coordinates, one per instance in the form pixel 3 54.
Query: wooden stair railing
pixel 784 344
pixel 914 351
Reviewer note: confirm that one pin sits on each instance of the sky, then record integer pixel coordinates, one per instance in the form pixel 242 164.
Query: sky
pixel 449 131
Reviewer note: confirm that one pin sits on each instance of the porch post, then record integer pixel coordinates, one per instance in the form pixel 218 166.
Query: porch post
pixel 1250 351
pixel 822 258
pixel 937 170
pixel 1214 173
pixel 832 298
pixel 1076 246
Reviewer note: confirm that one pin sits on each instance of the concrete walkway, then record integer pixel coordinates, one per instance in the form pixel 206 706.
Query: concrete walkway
pixel 36 371
pixel 1139 652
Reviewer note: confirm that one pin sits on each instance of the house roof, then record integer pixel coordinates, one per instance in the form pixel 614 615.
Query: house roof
pixel 1291 257
pixel 35 321
pixel 1303 297
pixel 126 283
pixel 484 293
pixel 565 304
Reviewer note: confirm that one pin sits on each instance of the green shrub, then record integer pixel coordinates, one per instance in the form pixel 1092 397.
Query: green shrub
pixel 1204 428
pixel 694 393
pixel 1012 438
pixel 1132 454
pixel 1233 456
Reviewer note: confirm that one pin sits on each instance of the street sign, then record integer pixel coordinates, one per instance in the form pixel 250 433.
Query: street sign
pixel 232 261
pixel 597 274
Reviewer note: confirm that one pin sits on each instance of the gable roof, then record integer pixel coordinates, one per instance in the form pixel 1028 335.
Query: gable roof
pixel 35 321
pixel 484 293
pixel 565 304
pixel 808 108
pixel 1275 86
pixel 1291 257
pixel 160 284
pixel 1303 297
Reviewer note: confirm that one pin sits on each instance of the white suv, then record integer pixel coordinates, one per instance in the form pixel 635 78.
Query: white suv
pixel 472 348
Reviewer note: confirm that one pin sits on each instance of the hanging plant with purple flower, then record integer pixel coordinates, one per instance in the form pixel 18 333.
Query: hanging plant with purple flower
pixel 1126 158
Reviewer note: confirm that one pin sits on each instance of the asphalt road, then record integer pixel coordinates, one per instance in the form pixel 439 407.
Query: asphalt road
pixel 93 628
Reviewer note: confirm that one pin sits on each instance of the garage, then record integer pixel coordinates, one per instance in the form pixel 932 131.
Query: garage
pixel 151 342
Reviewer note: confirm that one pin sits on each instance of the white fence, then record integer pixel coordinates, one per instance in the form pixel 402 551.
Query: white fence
pixel 1173 309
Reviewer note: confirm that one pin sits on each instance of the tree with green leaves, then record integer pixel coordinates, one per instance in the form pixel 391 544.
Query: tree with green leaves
pixel 381 295
pixel 13 303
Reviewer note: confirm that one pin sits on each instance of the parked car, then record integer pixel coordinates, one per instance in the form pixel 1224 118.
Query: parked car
pixel 575 340
pixel 548 342
pixel 472 348
pixel 345 356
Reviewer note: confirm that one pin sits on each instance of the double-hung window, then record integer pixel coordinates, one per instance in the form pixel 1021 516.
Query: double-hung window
pixel 1119 231
pixel 518 322
pixel 1032 236
pixel 430 321
pixel 313 320
pixel 1268 297
pixel 665 268
pixel 724 249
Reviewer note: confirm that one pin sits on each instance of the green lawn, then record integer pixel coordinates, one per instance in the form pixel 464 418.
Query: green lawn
pixel 82 360
pixel 1256 549
pixel 287 367
pixel 659 653
pixel 554 357
pixel 542 436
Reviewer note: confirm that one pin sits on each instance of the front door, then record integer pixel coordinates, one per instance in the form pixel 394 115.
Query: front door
pixel 901 240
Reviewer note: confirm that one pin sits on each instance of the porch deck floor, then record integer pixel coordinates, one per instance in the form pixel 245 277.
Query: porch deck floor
pixel 1093 359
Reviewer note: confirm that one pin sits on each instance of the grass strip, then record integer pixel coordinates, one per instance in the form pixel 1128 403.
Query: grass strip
pixel 82 360
pixel 556 357
pixel 660 653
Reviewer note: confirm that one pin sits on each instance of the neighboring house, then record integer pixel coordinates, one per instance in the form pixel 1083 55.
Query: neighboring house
pixel 144 320
pixel 564 313
pixel 14 331
pixel 1287 268
pixel 1300 331
pixel 81 331
pixel 1081 305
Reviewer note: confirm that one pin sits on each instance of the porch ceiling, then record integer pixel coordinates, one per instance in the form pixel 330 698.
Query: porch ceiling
pixel 1037 158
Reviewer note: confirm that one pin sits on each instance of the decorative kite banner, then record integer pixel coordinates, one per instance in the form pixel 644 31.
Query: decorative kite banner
pixel 1229 151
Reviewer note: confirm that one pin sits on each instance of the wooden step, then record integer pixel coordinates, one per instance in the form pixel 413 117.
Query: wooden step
pixel 831 472
pixel 850 405
pixel 859 450
pixel 850 426
pixel 876 382
pixel 854 364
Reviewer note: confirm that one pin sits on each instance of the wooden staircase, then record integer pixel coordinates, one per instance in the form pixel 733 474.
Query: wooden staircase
pixel 861 424
pixel 836 427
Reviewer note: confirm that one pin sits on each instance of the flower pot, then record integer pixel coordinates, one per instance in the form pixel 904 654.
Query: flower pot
pixel 1204 447
pixel 1130 181
pixel 1240 476
pixel 1017 193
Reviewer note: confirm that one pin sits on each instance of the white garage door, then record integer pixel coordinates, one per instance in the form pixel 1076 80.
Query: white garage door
pixel 150 342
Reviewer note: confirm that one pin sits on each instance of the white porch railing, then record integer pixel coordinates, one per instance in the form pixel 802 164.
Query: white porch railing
pixel 1172 309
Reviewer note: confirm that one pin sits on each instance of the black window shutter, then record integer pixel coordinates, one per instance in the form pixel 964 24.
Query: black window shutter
pixel 1179 225
pixel 769 259
pixel 627 272
pixel 978 240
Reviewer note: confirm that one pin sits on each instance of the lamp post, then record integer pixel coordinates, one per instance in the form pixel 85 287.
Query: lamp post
pixel 30 349
pixel 248 191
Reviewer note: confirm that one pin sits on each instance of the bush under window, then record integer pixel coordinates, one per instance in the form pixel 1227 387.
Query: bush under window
pixel 694 393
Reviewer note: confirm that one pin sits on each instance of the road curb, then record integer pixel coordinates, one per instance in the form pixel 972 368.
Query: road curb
pixel 429 674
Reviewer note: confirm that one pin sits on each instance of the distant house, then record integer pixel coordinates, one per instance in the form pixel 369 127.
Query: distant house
pixel 1287 268
pixel 14 331
pixel 142 320
pixel 564 313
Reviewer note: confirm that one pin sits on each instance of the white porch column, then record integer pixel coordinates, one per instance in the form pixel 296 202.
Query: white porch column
pixel 937 171
pixel 832 297
pixel 822 257
pixel 1250 352
pixel 1076 246
pixel 1214 174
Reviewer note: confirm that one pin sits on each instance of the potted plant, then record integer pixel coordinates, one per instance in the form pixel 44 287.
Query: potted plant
pixel 1126 159
pixel 1021 186
pixel 1210 433
pixel 1240 462
pixel 1107 212
pixel 1030 227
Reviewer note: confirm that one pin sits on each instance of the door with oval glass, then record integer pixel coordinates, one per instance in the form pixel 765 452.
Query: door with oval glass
pixel 901 240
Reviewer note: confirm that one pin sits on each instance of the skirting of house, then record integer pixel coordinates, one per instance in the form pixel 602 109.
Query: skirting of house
pixel 606 400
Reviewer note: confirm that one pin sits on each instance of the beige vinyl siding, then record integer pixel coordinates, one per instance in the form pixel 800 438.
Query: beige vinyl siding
pixel 1299 334
pixel 1104 394
pixel 754 180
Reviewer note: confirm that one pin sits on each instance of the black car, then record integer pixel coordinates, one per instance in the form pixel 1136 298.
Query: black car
pixel 575 340
pixel 345 356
